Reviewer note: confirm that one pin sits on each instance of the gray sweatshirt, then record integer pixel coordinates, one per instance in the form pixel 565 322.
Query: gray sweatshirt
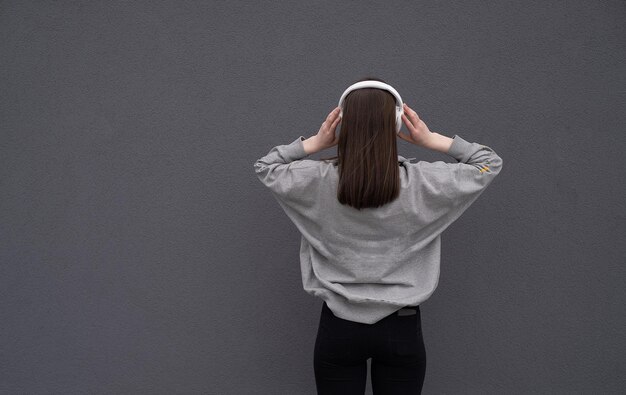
pixel 367 264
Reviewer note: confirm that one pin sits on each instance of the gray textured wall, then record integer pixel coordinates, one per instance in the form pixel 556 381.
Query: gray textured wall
pixel 140 254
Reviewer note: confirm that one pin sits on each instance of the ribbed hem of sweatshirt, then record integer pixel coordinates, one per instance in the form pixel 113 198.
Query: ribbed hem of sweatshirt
pixel 460 149
pixel 295 150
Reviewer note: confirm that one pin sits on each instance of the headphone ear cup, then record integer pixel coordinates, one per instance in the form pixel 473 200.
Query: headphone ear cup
pixel 399 112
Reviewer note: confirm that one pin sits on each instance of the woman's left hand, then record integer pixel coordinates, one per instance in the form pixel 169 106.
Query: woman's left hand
pixel 326 138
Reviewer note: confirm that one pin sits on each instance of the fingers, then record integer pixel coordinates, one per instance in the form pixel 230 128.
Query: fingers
pixel 332 122
pixel 333 114
pixel 405 114
pixel 412 115
pixel 402 136
pixel 407 122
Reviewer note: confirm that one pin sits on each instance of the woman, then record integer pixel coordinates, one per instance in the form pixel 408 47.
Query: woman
pixel 371 224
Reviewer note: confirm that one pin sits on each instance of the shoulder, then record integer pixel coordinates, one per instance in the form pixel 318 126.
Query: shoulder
pixel 423 166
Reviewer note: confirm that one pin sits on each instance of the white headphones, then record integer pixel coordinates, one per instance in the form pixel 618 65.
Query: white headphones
pixel 379 85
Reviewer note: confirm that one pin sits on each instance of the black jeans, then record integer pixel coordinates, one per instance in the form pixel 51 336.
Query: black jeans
pixel 394 343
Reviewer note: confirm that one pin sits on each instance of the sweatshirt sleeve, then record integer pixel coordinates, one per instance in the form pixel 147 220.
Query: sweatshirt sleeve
pixel 445 190
pixel 284 172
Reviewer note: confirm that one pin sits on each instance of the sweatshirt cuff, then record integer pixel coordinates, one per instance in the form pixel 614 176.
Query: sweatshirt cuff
pixel 295 150
pixel 460 149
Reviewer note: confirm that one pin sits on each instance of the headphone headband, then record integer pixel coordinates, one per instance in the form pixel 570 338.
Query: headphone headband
pixel 379 85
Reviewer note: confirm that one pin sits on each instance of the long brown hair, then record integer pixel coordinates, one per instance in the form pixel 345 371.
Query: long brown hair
pixel 367 151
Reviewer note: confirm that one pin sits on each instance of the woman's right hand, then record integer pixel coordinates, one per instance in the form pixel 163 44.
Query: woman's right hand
pixel 419 134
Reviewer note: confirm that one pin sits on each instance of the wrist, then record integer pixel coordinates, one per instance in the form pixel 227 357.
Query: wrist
pixel 311 145
pixel 438 142
pixel 429 141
